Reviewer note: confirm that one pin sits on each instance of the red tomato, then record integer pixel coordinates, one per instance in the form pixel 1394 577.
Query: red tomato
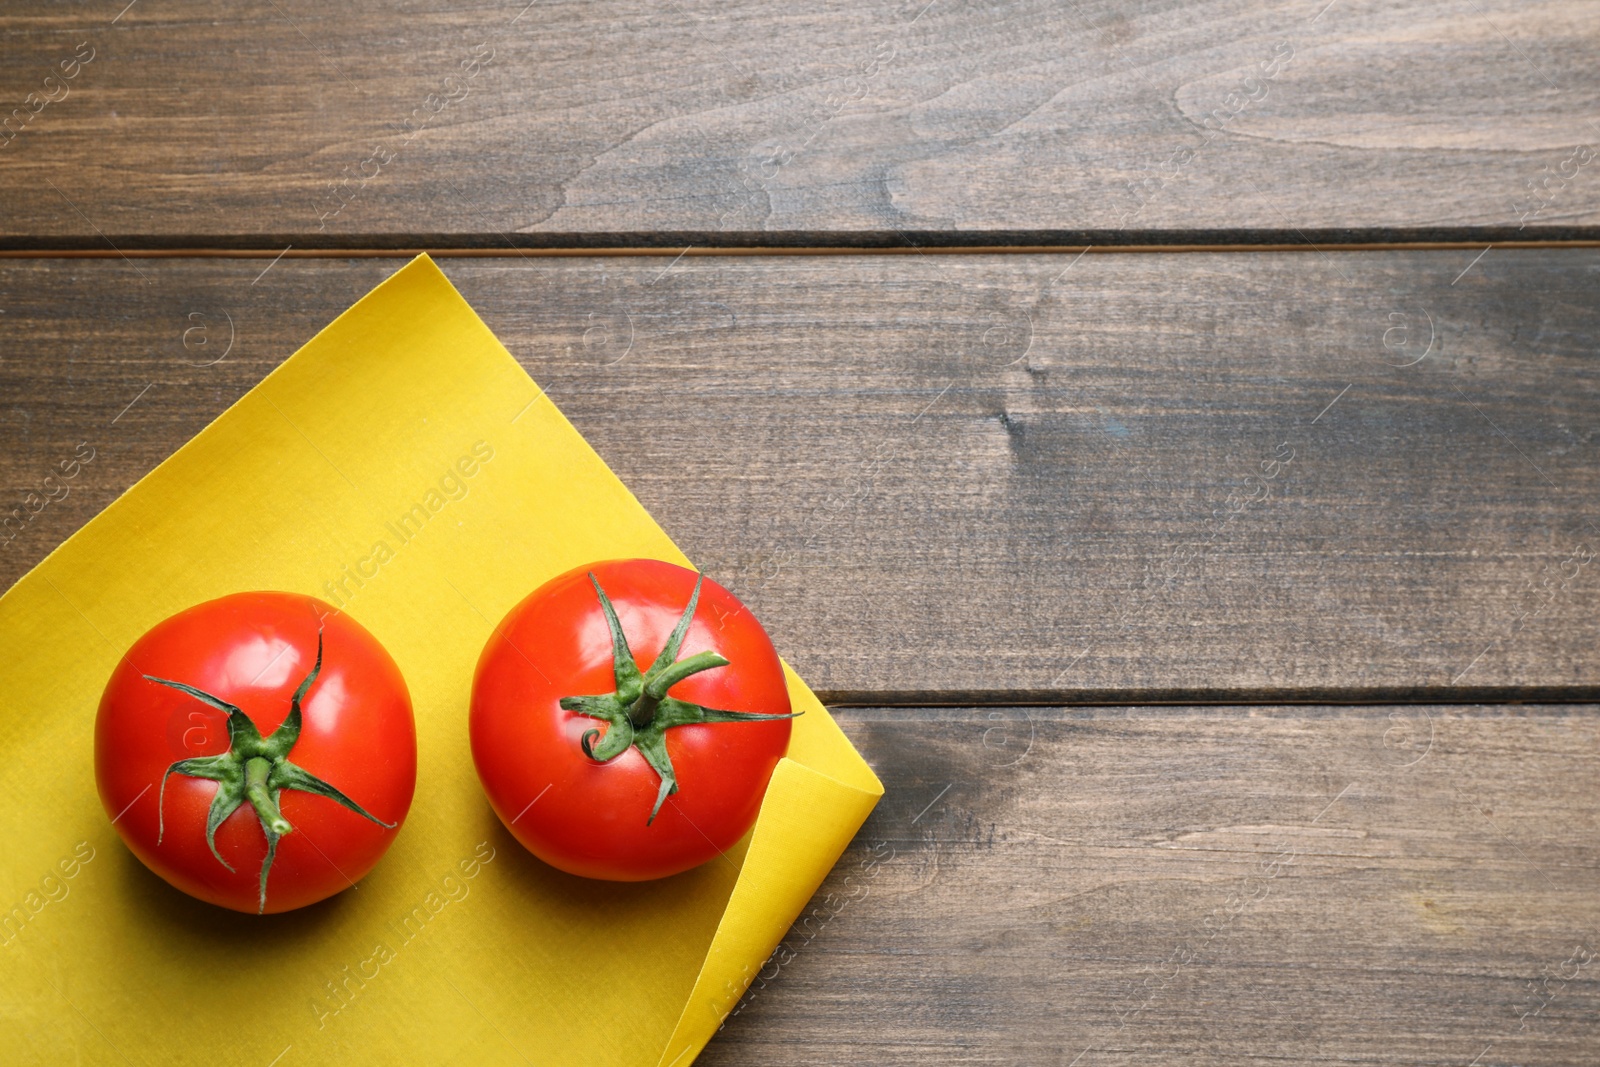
pixel 281 721
pixel 588 759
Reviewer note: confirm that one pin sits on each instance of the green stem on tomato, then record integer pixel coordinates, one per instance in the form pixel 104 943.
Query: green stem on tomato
pixel 639 713
pixel 643 711
pixel 256 769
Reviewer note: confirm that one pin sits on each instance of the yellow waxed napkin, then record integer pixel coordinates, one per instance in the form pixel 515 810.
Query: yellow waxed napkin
pixel 342 475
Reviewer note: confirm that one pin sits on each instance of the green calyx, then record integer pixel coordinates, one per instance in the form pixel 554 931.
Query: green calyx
pixel 254 769
pixel 640 712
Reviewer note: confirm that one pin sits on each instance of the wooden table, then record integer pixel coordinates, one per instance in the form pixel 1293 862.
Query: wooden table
pixel 1164 432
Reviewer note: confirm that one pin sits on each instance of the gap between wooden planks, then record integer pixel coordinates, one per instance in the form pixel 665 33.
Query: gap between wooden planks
pixel 769 250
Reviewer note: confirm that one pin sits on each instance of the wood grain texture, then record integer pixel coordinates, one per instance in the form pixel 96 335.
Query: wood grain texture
pixel 1211 886
pixel 947 479
pixel 417 122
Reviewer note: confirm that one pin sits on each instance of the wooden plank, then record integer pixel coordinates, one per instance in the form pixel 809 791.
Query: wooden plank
pixel 1212 886
pixel 1125 477
pixel 203 123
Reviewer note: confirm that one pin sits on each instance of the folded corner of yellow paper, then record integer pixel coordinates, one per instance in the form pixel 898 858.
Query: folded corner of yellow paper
pixel 819 796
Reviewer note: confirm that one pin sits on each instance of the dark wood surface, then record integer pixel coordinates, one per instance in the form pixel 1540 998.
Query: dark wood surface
pixel 1120 477
pixel 1221 623
pixel 208 123
pixel 1217 886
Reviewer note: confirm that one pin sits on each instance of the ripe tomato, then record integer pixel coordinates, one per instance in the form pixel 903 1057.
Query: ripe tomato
pixel 587 759
pixel 258 734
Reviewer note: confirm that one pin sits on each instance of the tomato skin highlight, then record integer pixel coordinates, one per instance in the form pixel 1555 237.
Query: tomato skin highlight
pixel 590 818
pixel 253 650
